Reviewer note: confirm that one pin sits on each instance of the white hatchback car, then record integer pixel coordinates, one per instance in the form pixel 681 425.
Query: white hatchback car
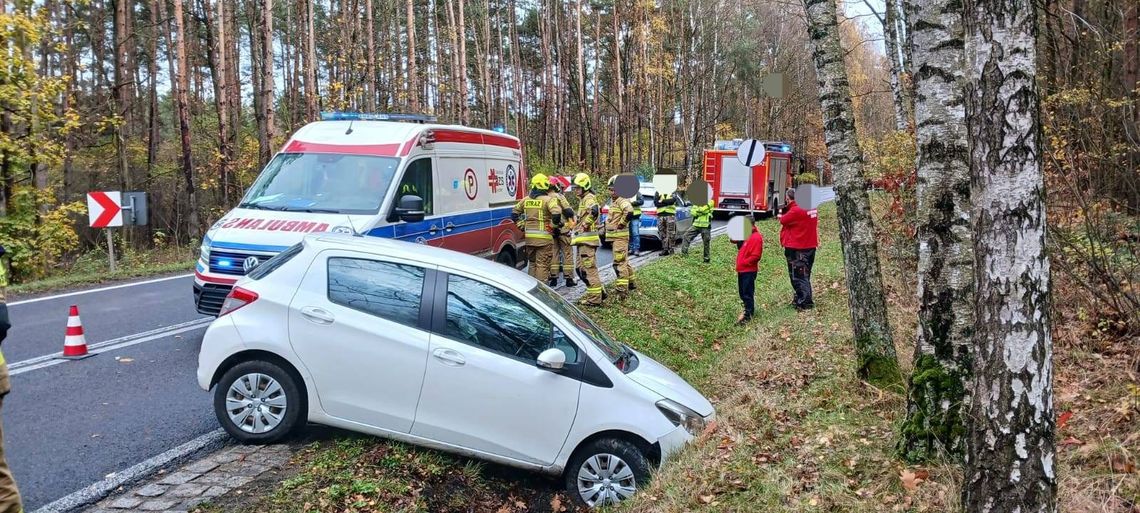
pixel 443 350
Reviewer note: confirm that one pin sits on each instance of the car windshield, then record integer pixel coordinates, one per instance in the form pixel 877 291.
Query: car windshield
pixel 614 351
pixel 322 182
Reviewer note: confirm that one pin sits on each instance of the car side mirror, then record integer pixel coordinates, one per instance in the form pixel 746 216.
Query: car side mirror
pixel 552 359
pixel 411 209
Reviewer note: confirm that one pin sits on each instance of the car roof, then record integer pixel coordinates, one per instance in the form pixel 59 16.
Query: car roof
pixel 431 255
pixel 373 132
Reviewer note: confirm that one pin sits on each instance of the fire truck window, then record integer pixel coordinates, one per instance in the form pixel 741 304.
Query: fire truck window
pixel 417 181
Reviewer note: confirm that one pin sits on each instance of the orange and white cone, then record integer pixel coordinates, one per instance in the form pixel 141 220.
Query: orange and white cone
pixel 74 343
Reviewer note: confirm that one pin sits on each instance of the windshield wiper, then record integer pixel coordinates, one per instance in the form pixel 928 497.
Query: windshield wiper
pixel 312 210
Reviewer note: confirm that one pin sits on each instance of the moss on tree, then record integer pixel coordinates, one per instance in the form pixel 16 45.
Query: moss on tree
pixel 934 426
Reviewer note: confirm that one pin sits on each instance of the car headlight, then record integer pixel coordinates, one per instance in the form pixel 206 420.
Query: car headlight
pixel 682 416
pixel 204 252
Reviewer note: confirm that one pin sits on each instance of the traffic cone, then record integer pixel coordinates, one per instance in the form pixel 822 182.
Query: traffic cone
pixel 74 343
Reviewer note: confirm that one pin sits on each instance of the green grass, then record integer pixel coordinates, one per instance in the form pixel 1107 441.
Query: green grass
pixel 796 430
pixel 93 269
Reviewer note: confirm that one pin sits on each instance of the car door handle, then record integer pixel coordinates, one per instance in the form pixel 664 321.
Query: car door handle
pixel 317 315
pixel 449 357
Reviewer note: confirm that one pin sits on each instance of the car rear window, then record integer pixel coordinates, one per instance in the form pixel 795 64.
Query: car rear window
pixel 272 264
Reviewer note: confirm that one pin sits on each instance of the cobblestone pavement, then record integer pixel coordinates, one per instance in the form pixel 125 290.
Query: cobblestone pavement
pixel 184 488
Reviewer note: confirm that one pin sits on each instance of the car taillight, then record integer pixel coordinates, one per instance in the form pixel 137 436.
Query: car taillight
pixel 237 298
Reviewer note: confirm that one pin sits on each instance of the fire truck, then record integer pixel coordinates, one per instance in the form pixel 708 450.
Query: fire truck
pixel 739 189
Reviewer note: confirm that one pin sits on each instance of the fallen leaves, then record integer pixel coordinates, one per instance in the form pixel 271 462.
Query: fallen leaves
pixel 556 503
pixel 124 359
pixel 1063 419
pixel 912 478
pixel 1121 465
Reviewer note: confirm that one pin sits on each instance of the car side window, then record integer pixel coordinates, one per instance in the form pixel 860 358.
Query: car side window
pixel 488 317
pixel 387 290
pixel 417 181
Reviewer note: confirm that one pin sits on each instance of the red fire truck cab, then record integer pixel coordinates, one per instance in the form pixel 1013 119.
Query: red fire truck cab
pixel 736 188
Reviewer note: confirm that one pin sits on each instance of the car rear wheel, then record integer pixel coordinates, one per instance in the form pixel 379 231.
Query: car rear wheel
pixel 606 471
pixel 258 402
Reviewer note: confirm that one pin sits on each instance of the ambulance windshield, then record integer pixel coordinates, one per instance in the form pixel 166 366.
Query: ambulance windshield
pixel 322 183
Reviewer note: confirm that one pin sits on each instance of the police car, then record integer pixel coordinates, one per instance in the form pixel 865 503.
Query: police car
pixel 384 175
pixel 649 214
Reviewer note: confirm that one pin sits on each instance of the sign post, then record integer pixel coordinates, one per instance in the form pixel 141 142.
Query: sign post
pixel 104 210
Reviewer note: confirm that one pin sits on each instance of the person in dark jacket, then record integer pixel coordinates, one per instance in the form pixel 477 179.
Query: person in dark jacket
pixel 799 235
pixel 9 494
pixel 747 264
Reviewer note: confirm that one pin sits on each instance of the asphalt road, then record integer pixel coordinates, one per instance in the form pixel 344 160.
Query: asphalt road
pixel 68 424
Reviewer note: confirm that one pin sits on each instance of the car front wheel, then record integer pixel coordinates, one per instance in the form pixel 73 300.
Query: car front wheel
pixel 606 472
pixel 257 402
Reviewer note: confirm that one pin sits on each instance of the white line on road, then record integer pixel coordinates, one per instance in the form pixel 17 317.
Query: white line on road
pixel 98 490
pixel 101 289
pixel 48 360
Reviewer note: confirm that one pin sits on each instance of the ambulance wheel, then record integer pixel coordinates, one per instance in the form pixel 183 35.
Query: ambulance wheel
pixel 506 257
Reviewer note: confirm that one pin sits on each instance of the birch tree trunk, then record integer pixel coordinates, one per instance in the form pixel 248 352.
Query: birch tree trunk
pixel 937 388
pixel 1010 459
pixel 898 92
pixel 878 362
pixel 464 112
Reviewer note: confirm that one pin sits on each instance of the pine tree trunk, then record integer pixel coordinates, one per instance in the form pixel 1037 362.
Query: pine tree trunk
pixel 464 113
pixel 221 94
pixel 310 64
pixel 937 388
pixel 413 75
pixel 153 115
pixel 370 37
pixel 123 89
pixel 878 361
pixel 266 126
pixel 1010 460
pixel 176 45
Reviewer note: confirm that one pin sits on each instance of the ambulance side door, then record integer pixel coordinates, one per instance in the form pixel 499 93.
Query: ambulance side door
pixel 420 179
pixel 463 191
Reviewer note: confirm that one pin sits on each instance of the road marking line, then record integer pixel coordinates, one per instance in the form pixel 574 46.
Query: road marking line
pixel 101 289
pixel 97 491
pixel 48 360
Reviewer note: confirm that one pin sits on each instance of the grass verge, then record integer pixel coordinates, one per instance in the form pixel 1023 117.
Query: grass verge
pixel 92 269
pixel 796 431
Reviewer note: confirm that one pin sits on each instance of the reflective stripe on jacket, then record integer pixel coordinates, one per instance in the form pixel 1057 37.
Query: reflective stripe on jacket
pixel 587 222
pixel 616 223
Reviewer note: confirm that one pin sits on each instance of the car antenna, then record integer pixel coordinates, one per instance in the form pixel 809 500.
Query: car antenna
pixel 355 233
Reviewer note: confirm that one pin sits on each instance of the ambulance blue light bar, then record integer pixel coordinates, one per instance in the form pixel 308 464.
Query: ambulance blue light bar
pixel 366 116
pixel 780 147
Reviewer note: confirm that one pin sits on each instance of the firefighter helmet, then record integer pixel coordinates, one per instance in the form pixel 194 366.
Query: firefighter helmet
pixel 539 182
pixel 582 180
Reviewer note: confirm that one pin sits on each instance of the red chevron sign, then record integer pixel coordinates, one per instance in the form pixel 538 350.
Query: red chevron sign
pixel 104 209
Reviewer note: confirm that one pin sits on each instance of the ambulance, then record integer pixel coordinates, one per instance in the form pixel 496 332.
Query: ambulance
pixel 737 188
pixel 396 176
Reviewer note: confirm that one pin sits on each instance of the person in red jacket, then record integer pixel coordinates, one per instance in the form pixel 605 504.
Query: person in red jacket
pixel 799 235
pixel 747 262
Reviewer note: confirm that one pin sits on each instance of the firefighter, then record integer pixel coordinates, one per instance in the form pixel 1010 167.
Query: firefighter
pixel 702 221
pixel 799 234
pixel 563 261
pixel 667 219
pixel 541 220
pixel 586 240
pixel 9 494
pixel 617 229
pixel 635 225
